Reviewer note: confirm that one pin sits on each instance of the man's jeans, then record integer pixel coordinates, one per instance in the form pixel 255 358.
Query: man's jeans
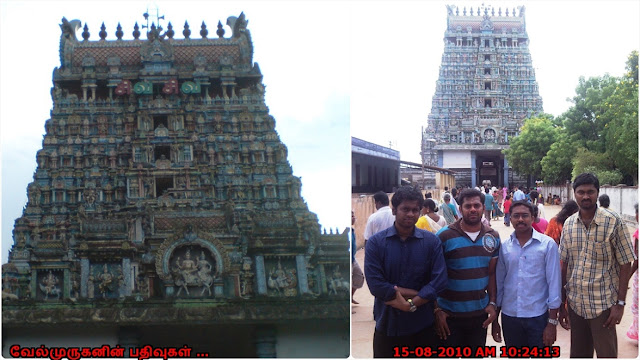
pixel 524 331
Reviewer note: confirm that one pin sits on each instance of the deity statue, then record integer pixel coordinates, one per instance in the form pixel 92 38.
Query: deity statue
pixel 282 280
pixel 90 196
pixel 186 270
pixel 105 281
pixel 49 286
pixel 204 273
pixel 162 130
pixel 336 282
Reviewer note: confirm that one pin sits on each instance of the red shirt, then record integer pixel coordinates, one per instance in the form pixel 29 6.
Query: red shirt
pixel 507 206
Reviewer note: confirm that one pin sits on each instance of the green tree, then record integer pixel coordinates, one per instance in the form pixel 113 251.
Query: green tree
pixel 583 120
pixel 621 122
pixel 598 163
pixel 535 139
pixel 558 162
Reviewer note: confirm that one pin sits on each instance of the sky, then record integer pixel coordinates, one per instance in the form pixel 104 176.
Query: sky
pixel 331 69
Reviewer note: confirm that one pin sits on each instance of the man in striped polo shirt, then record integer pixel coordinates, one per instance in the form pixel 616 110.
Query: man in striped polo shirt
pixel 467 306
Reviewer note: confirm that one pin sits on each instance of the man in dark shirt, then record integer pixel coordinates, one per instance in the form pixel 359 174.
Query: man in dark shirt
pixel 405 271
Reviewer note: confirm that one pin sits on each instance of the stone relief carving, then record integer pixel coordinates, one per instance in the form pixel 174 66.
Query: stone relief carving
pixel 282 281
pixel 191 272
pixel 336 282
pixel 50 286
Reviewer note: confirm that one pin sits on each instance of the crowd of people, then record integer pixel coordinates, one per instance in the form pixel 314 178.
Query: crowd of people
pixel 441 275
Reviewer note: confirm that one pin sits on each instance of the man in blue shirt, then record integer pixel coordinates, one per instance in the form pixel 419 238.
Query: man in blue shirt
pixel 518 194
pixel 529 282
pixel 405 271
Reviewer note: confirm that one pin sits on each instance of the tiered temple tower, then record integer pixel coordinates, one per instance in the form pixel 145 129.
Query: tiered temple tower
pixel 485 90
pixel 163 209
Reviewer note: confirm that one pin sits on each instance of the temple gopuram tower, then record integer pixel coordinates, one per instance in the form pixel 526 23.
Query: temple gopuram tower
pixel 164 211
pixel 485 89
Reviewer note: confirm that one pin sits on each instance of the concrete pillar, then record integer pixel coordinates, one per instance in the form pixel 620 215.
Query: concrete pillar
pixel 505 173
pixel 265 340
pixel 474 169
pixel 125 290
pixel 301 267
pixel 440 158
pixel 261 279
pixel 84 277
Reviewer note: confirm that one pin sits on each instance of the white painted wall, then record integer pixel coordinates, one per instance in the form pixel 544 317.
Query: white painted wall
pixel 456 159
pixel 623 198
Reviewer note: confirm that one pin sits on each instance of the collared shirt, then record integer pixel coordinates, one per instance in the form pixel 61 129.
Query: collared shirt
pixel 518 195
pixel 528 277
pixel 467 269
pixel 593 255
pixel 378 221
pixel 415 263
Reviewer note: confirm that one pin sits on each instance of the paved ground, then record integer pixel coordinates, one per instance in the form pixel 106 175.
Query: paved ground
pixel 362 324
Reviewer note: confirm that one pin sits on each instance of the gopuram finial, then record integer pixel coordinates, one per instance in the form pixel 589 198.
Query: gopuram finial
pixel 103 32
pixel 158 18
pixel 85 32
pixel 119 32
pixel 220 31
pixel 203 30
pixel 186 32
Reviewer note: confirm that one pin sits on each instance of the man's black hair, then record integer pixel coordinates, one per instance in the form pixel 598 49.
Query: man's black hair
pixel 586 179
pixel 381 197
pixel 470 193
pixel 407 193
pixel 604 200
pixel 428 195
pixel 532 209
pixel 454 192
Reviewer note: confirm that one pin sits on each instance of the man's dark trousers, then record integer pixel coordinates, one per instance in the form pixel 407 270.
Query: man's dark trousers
pixel 383 345
pixel 466 332
pixel 521 332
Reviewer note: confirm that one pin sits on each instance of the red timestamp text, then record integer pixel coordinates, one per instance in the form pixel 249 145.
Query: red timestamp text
pixel 445 351
pixel 530 351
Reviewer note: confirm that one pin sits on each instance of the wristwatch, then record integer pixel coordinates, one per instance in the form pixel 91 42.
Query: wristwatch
pixel 553 322
pixel 621 302
pixel 494 304
pixel 413 307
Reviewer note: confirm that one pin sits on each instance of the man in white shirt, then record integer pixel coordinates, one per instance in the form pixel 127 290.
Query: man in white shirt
pixel 380 220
